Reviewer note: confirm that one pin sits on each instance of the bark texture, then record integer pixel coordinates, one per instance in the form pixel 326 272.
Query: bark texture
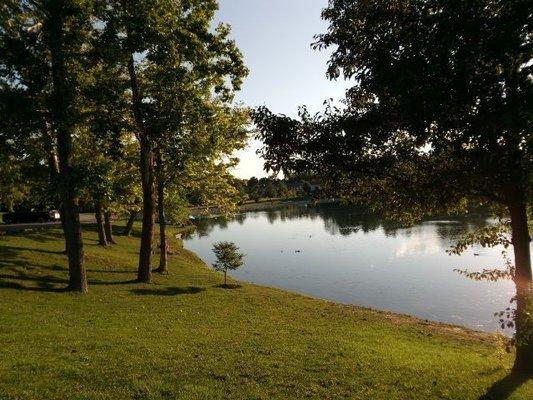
pixel 102 239
pixel 163 245
pixel 129 225
pixel 108 225
pixel 144 272
pixel 524 288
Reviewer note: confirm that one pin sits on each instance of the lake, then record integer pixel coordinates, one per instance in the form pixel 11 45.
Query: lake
pixel 345 255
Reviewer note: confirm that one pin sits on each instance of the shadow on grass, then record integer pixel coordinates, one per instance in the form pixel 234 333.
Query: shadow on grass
pixel 118 230
pixel 112 271
pixel 111 283
pixel 41 287
pixel 60 252
pixel 43 235
pixel 20 270
pixel 169 291
pixel 505 387
pixel 47 283
pixel 229 286
pixel 44 279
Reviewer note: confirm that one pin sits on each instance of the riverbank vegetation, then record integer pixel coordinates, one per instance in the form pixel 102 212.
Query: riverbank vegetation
pixel 184 336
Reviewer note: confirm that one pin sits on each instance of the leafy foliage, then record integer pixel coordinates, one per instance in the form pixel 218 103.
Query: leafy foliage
pixel 228 257
pixel 439 116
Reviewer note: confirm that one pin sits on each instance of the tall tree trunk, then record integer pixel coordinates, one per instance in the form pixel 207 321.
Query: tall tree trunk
pixel 524 288
pixel 163 258
pixel 53 166
pixel 108 227
pixel 62 100
pixel 53 162
pixel 98 213
pixel 129 225
pixel 144 273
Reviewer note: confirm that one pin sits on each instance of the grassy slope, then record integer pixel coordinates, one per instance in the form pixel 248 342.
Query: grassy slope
pixel 184 337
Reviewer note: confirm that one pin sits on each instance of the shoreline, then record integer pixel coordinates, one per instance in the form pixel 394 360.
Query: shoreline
pixel 394 316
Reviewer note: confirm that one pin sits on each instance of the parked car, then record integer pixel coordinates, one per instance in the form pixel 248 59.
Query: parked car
pixel 33 215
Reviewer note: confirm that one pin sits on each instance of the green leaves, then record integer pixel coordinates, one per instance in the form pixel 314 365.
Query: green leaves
pixel 438 114
pixel 490 236
pixel 228 256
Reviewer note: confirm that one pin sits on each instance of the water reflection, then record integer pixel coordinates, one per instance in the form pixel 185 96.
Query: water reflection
pixel 348 255
pixel 342 220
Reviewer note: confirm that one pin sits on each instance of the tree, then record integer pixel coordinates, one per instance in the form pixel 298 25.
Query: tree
pixel 441 114
pixel 282 189
pixel 228 258
pixel 44 46
pixel 109 178
pixel 270 189
pixel 306 187
pixel 193 163
pixel 107 145
pixel 253 188
pixel 27 141
pixel 169 52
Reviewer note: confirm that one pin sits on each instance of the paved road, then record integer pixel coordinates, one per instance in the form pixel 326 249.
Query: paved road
pixel 84 218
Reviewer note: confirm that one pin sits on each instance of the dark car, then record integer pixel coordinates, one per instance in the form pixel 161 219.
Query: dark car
pixel 28 216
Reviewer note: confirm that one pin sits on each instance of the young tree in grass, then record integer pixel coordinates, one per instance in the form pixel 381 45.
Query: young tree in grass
pixel 440 115
pixel 228 258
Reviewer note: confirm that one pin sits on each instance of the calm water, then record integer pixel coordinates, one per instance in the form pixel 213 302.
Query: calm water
pixel 341 254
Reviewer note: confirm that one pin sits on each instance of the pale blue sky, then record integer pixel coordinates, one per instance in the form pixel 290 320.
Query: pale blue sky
pixel 275 37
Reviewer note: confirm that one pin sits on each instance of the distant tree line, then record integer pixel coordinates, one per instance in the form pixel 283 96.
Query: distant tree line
pixel 255 189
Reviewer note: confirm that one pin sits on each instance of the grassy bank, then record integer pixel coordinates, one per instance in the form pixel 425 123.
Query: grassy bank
pixel 184 337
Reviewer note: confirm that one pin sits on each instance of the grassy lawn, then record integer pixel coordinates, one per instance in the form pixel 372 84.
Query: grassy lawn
pixel 184 337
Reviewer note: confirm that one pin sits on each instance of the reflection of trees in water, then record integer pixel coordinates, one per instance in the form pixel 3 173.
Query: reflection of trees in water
pixel 289 213
pixel 204 226
pixel 240 218
pixel 345 221
pixel 450 231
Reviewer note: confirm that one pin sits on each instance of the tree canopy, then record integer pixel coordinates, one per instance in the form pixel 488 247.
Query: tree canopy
pixel 439 114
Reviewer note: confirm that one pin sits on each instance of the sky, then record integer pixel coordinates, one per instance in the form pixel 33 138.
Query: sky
pixel 275 38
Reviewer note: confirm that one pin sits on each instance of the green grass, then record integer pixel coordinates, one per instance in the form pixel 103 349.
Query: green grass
pixel 183 337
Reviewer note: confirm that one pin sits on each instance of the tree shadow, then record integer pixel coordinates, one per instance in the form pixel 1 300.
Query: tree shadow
pixel 20 270
pixel 168 291
pixel 43 235
pixel 41 287
pixel 503 388
pixel 14 248
pixel 229 286
pixel 112 283
pixel 43 283
pixel 112 271
pixel 17 270
pixel 20 276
